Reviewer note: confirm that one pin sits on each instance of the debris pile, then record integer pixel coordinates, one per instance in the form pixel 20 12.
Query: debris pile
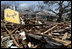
pixel 35 34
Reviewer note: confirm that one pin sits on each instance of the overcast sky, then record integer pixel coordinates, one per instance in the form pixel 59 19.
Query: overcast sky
pixel 25 4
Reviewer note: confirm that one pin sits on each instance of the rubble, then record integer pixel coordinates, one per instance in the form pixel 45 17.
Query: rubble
pixel 35 34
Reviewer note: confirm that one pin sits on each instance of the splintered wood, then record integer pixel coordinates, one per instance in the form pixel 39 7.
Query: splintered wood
pixel 36 34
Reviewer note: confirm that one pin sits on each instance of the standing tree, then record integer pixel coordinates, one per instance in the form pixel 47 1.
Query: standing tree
pixel 58 7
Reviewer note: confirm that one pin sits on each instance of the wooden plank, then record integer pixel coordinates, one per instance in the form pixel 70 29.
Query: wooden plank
pixel 65 36
pixel 12 36
pixel 49 29
pixel 66 43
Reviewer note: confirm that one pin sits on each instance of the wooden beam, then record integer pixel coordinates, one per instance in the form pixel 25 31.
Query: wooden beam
pixel 49 29
pixel 65 36
pixel 66 43
pixel 11 36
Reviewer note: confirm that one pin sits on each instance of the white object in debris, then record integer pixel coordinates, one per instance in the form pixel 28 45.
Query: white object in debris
pixel 30 30
pixel 37 26
pixel 14 47
pixel 23 34
pixel 9 43
pixel 70 26
pixel 39 22
pixel 17 31
pixel 67 27
pixel 56 33
pixel 1 36
pixel 21 18
pixel 29 44
pixel 24 38
pixel 23 23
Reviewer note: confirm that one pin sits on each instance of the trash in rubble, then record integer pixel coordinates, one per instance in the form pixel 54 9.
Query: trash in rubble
pixel 69 36
pixel 14 47
pixel 56 34
pixel 16 36
pixel 5 38
pixel 9 43
pixel 1 36
pixel 23 23
pixel 67 28
pixel 21 19
pixel 70 26
pixel 23 35
pixel 37 26
pixel 29 45
pixel 17 31
pixel 39 22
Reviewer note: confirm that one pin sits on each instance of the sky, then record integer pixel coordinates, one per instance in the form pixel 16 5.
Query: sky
pixel 25 4
pixel 28 3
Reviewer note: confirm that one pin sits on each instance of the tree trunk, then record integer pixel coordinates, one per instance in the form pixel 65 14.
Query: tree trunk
pixel 60 12
pixel 60 18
